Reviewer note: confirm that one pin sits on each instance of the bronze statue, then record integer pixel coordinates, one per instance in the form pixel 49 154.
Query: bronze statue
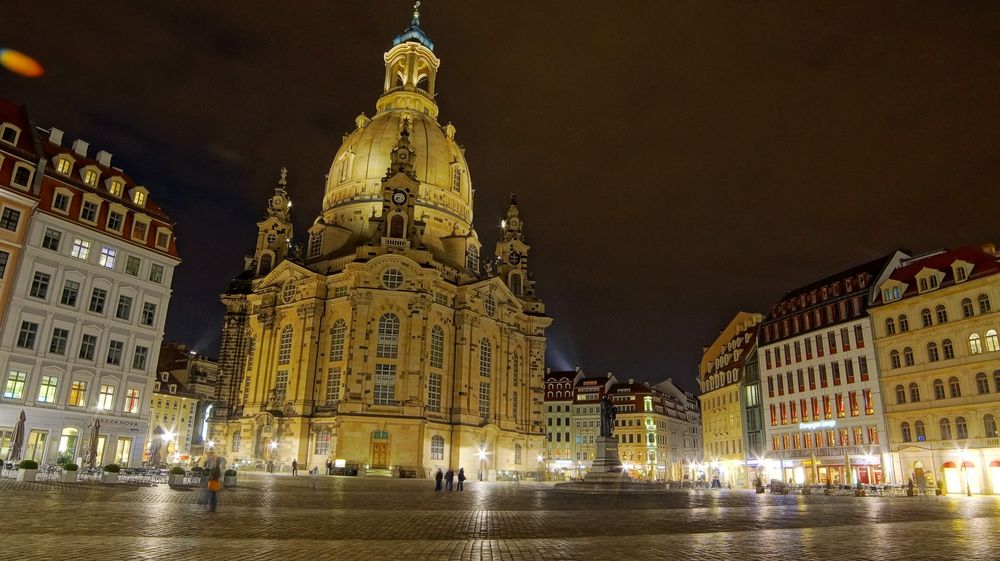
pixel 608 415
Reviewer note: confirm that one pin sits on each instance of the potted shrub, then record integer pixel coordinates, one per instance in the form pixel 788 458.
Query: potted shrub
pixel 859 489
pixel 69 472
pixel 940 487
pixel 176 476
pixel 829 489
pixel 229 480
pixel 27 470
pixel 807 490
pixel 110 474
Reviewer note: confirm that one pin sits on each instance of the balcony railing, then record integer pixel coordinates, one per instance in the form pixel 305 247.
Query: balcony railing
pixel 396 243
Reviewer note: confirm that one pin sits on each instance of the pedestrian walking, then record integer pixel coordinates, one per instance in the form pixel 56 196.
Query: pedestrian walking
pixel 214 487
pixel 437 480
pixel 329 467
pixel 461 478
pixel 449 476
pixel 295 467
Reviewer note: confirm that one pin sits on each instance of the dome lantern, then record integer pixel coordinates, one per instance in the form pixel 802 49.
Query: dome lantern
pixel 410 71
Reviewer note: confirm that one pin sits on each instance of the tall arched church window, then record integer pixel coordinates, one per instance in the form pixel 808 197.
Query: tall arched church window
pixel 264 266
pixel 515 369
pixel 992 344
pixel 437 447
pixel 456 179
pixel 516 284
pixel 388 336
pixel 472 258
pixel 346 162
pixel 485 357
pixel 337 334
pixel 285 345
pixel 437 347
pixel 396 226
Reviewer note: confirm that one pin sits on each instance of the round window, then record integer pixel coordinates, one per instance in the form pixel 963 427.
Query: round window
pixel 288 291
pixel 392 278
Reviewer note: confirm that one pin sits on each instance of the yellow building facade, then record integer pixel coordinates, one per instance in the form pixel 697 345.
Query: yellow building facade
pixel 388 345
pixel 173 411
pixel 721 377
pixel 936 329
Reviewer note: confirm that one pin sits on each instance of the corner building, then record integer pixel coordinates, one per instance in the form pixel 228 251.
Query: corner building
pixel 822 399
pixel 936 329
pixel 386 345
pixel 723 373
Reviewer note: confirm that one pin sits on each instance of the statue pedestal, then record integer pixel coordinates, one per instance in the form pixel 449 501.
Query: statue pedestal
pixel 606 461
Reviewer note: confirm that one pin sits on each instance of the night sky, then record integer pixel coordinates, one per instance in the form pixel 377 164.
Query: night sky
pixel 675 162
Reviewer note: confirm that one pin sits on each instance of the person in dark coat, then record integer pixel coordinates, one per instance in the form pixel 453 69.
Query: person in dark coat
pixel 449 476
pixel 461 478
pixel 437 480
pixel 329 467
pixel 295 467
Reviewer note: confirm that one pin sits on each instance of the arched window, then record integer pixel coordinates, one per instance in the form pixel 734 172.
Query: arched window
pixel 918 428
pixel 285 345
pixel 265 264
pixel 890 326
pixel 388 336
pixel 905 429
pixel 904 323
pixel 992 345
pixel 485 357
pixel 337 340
pixel 932 352
pixel 961 428
pixel 437 347
pixel 996 381
pixel 967 308
pixel 515 369
pixel 990 425
pixel 894 358
pixel 954 388
pixel 948 348
pixel 437 447
pixel 942 314
pixel 945 426
pixel 516 284
pixel 982 384
pixel 914 392
pixel 907 356
pixel 938 389
pixel 975 345
pixel 925 317
pixel 396 224
pixel 517 453
pixel 900 394
pixel 984 303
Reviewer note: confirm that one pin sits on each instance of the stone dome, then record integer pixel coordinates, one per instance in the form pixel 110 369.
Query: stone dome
pixel 354 185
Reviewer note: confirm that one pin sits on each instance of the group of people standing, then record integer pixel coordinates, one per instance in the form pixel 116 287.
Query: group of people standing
pixel 449 478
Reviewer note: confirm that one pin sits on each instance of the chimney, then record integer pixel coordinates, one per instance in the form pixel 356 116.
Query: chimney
pixel 104 158
pixel 55 136
pixel 576 368
pixel 610 374
pixel 548 370
pixel 80 147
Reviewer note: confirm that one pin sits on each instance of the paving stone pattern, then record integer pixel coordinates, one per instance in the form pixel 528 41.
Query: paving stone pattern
pixel 285 518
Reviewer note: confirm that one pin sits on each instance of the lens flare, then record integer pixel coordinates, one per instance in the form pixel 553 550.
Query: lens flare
pixel 20 63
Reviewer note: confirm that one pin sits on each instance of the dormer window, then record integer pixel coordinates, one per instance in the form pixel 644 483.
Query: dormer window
pixel 173 388
pixel 90 177
pixel 934 282
pixel 116 187
pixel 64 166
pixel 163 239
pixel 892 291
pixel 22 175
pixel 923 284
pixel 139 196
pixel 9 133
pixel 164 376
pixel 139 230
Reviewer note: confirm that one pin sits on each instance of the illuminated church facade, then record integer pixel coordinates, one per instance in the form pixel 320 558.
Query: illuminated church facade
pixel 386 344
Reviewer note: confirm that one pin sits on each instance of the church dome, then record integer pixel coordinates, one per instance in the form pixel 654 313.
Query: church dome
pixel 354 184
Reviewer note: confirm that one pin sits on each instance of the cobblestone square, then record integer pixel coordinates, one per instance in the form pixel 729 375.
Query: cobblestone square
pixel 280 517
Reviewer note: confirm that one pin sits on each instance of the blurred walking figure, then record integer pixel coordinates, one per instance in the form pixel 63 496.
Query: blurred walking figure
pixel 295 467
pixel 437 480
pixel 461 478
pixel 449 476
pixel 214 467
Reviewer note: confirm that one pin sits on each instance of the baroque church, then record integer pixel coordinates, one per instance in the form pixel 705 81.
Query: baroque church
pixel 386 344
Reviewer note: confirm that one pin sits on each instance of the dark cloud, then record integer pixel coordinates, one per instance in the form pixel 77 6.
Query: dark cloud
pixel 676 162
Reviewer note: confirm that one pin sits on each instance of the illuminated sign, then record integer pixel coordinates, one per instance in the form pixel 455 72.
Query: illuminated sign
pixel 817 425
pixel 339 463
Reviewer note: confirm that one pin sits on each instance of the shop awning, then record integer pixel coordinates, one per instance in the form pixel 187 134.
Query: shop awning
pixel 995 464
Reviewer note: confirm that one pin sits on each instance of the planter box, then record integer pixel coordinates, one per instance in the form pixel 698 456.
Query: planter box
pixel 109 478
pixel 69 476
pixel 760 490
pixel 859 492
pixel 26 474
pixel 807 491
pixel 828 492
pixel 175 480
pixel 229 480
